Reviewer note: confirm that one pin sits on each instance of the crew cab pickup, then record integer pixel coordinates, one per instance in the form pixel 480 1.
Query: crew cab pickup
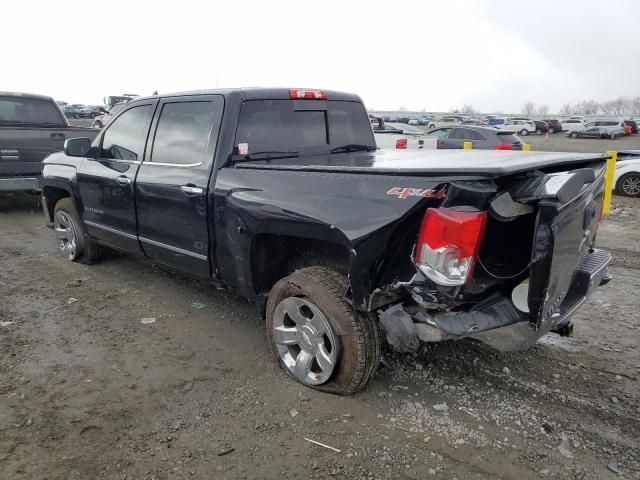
pixel 281 196
pixel 31 127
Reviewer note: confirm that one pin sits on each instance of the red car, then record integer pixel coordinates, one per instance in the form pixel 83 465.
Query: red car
pixel 101 120
pixel 633 126
pixel 627 128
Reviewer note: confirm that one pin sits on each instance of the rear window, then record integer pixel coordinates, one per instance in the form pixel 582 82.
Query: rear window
pixel 302 127
pixel 506 137
pixel 35 111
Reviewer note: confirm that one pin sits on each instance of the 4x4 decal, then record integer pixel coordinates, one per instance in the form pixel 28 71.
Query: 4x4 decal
pixel 405 192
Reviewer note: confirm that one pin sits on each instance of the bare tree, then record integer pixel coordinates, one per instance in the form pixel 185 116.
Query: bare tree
pixel 635 105
pixel 529 108
pixel 543 110
pixel 587 107
pixel 567 109
pixel 468 108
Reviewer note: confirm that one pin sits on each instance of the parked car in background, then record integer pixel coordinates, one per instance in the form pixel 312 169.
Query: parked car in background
pixel 495 122
pixel 610 128
pixel 522 127
pixel 589 132
pixel 627 174
pixel 399 136
pixel 444 122
pixel 90 111
pixel 406 128
pixel 31 127
pixel 102 119
pixel 69 111
pixel 542 127
pixel 572 124
pixel 554 125
pixel 483 138
pixel 633 125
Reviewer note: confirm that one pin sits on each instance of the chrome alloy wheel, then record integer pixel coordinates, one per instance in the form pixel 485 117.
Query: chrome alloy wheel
pixel 631 186
pixel 305 340
pixel 66 235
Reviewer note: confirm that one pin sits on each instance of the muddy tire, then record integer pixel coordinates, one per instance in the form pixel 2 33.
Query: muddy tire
pixel 315 334
pixel 71 237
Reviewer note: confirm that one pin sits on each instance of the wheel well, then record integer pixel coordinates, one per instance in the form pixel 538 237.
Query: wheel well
pixel 53 195
pixel 275 256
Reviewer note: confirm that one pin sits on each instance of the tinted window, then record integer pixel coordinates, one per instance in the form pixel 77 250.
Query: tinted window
pixel 21 110
pixel 183 132
pixel 465 134
pixel 440 133
pixel 302 127
pixel 125 137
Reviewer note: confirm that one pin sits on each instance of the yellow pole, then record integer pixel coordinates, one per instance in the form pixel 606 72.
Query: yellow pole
pixel 608 180
pixel 467 145
pixel 526 147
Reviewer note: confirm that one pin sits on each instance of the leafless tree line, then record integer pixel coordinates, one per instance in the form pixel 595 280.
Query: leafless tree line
pixel 617 106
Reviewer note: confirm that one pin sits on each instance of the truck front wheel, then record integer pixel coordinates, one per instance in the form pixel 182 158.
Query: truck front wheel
pixel 317 337
pixel 71 239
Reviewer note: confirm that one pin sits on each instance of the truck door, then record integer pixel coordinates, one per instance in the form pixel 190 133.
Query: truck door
pixel 172 183
pixel 106 183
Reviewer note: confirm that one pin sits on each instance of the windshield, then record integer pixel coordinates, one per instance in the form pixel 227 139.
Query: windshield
pixel 302 127
pixel 34 111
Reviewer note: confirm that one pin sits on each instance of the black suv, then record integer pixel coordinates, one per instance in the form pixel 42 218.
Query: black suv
pixel 554 125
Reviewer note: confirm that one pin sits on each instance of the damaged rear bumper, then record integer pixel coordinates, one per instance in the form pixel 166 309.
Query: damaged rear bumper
pixel 495 321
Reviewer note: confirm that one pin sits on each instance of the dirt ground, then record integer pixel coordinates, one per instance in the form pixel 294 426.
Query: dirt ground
pixel 124 371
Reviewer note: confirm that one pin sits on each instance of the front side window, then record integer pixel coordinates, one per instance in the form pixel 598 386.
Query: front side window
pixel 125 137
pixel 183 131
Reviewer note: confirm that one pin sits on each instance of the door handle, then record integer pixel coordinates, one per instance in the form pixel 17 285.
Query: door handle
pixel 190 190
pixel 124 180
pixel 57 136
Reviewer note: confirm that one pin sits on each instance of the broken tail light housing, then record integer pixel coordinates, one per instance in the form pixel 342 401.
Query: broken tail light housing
pixel 448 244
pixel 301 94
pixel 401 144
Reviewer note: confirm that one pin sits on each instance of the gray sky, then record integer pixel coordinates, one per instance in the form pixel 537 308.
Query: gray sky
pixel 419 54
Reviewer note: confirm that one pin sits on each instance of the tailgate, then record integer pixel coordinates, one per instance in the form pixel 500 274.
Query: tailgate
pixel 564 263
pixel 23 149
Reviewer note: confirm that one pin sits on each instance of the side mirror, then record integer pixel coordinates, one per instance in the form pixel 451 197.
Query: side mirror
pixel 77 147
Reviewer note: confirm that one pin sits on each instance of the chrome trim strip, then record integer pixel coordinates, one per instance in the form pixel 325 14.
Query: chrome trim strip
pixel 174 249
pixel 161 164
pixel 111 230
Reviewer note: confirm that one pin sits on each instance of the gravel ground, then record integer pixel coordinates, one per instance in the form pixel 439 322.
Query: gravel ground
pixel 121 370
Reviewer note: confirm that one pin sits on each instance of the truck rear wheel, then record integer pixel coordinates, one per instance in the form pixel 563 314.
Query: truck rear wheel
pixel 71 237
pixel 317 337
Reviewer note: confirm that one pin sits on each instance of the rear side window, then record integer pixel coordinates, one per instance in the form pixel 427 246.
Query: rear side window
pixel 465 134
pixel 125 137
pixel 183 132
pixel 301 127
pixel 22 110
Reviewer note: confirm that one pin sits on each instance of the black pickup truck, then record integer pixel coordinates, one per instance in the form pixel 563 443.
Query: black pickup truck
pixel 31 127
pixel 281 196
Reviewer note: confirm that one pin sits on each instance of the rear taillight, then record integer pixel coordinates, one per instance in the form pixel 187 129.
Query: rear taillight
pixel 401 144
pixel 298 94
pixel 448 244
pixel 503 146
